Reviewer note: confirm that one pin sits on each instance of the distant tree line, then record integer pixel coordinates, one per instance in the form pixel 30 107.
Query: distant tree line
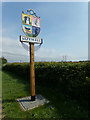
pixel 3 60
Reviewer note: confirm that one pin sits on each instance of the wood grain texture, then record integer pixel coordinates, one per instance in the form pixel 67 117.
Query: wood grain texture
pixel 32 71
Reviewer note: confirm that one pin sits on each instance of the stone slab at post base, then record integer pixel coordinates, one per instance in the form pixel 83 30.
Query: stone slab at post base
pixel 26 103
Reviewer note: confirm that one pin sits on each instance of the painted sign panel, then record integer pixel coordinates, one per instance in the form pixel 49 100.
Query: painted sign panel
pixel 31 24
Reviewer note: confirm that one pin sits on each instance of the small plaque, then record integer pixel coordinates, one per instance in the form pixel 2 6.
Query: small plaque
pixel 31 39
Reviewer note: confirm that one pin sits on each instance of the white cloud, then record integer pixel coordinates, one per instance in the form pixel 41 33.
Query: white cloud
pixel 13 50
pixel 53 55
pixel 12 45
pixel 47 53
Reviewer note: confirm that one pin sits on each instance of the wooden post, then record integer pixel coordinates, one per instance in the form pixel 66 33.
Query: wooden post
pixel 32 72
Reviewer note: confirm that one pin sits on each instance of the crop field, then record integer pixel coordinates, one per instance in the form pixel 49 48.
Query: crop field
pixel 64 84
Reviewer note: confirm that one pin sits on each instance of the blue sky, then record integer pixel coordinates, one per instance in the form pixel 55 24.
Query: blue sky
pixel 64 29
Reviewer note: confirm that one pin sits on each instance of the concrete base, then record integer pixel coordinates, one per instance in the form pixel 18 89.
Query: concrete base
pixel 27 104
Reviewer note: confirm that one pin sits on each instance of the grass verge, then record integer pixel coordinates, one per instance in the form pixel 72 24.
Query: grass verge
pixel 60 106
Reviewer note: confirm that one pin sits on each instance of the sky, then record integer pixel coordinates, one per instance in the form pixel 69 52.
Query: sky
pixel 64 29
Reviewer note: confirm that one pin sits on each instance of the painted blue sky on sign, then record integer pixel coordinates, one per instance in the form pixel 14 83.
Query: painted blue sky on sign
pixel 64 29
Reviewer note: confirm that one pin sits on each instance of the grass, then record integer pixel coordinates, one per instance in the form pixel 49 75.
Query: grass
pixel 61 106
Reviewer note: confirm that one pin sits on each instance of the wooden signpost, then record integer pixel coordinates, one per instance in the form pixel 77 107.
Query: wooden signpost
pixel 31 27
pixel 32 72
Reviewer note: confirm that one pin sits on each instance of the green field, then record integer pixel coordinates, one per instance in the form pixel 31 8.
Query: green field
pixel 15 86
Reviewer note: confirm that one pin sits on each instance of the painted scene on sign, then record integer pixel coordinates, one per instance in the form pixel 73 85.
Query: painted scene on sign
pixel 35 21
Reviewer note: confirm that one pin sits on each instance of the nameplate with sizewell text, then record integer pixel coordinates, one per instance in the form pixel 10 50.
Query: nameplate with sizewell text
pixel 31 39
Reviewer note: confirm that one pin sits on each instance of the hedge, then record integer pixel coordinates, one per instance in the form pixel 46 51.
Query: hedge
pixel 70 77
